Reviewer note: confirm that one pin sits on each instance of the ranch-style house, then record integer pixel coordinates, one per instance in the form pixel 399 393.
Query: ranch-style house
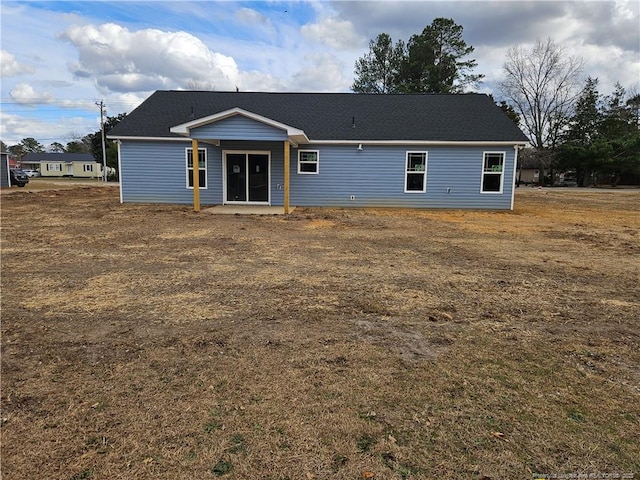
pixel 318 149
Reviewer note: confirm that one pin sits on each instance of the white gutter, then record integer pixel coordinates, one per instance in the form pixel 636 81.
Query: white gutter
pixel 470 143
pixel 435 143
pixel 142 139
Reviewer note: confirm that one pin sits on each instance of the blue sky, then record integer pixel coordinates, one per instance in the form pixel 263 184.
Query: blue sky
pixel 60 58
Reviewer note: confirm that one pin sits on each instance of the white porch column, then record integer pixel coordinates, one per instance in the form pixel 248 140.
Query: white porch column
pixel 195 157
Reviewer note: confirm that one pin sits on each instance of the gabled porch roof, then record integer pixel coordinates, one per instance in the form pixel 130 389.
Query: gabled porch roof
pixel 295 135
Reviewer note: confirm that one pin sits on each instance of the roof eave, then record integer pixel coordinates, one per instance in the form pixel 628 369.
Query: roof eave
pixel 444 143
pixel 304 140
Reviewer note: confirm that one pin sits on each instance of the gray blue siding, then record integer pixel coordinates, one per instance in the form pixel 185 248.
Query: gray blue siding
pixel 155 172
pixel 239 128
pixel 375 176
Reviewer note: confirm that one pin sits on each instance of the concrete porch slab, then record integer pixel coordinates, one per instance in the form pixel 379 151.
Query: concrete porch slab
pixel 246 210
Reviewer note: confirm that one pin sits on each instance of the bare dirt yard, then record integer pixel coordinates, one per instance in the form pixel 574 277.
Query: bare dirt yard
pixel 151 342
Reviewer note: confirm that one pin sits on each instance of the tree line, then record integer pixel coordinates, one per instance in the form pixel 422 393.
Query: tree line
pixel 570 125
pixel 601 139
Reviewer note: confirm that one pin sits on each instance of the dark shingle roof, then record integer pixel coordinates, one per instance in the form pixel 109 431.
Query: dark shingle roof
pixel 329 116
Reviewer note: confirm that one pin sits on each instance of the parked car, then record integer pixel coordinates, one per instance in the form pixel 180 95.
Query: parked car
pixel 18 177
pixel 31 173
pixel 568 179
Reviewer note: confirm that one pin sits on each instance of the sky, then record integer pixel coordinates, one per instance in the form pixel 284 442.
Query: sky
pixel 59 59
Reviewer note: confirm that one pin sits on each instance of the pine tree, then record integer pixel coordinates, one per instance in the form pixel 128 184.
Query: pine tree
pixel 377 71
pixel 431 62
pixel 434 60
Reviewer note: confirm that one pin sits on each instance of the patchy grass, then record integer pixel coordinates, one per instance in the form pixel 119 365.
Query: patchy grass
pixel 153 342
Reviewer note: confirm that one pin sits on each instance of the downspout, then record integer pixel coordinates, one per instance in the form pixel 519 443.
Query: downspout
pixel 513 183
pixel 195 163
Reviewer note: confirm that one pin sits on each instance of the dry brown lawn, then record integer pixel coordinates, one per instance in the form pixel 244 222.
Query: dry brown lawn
pixel 151 342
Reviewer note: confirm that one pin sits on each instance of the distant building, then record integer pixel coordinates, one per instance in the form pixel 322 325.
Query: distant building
pixel 77 165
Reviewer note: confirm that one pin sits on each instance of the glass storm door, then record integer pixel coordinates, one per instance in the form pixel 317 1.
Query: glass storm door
pixel 236 177
pixel 247 177
pixel 258 167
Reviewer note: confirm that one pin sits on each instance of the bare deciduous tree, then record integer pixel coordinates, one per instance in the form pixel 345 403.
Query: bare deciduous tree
pixel 201 85
pixel 542 83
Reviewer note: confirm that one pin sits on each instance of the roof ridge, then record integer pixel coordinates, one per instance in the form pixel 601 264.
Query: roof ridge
pixel 414 94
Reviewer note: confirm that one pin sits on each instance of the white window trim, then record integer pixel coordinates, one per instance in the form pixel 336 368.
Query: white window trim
pixel 504 163
pixel 54 167
pixel 407 172
pixel 317 162
pixel 186 165
pixel 87 167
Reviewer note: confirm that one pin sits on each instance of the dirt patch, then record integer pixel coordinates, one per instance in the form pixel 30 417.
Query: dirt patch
pixel 148 341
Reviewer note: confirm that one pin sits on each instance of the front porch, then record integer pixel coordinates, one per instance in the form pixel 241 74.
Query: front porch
pixel 246 210
pixel 246 172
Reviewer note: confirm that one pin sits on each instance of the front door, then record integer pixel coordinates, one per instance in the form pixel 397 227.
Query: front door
pixel 246 177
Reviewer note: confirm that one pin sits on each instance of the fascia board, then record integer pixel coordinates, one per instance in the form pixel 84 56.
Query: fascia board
pixel 154 139
pixel 302 139
pixel 459 143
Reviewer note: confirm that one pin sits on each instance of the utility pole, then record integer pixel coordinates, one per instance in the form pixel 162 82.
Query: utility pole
pixel 104 151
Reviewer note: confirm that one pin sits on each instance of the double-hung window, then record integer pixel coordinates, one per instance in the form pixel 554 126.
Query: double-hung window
pixel 415 178
pixel 492 172
pixel 54 167
pixel 308 162
pixel 202 168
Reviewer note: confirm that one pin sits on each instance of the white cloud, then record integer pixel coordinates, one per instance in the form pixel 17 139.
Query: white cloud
pixel 78 104
pixel 256 23
pixel 333 32
pixel 623 11
pixel 323 72
pixel 10 66
pixel 25 94
pixel 610 65
pixel 144 60
pixel 256 81
pixel 249 16
pixel 124 102
pixel 13 128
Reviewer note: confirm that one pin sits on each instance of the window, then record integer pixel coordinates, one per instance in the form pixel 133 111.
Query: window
pixel 307 161
pixel 415 180
pixel 88 167
pixel 492 172
pixel 54 167
pixel 202 168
